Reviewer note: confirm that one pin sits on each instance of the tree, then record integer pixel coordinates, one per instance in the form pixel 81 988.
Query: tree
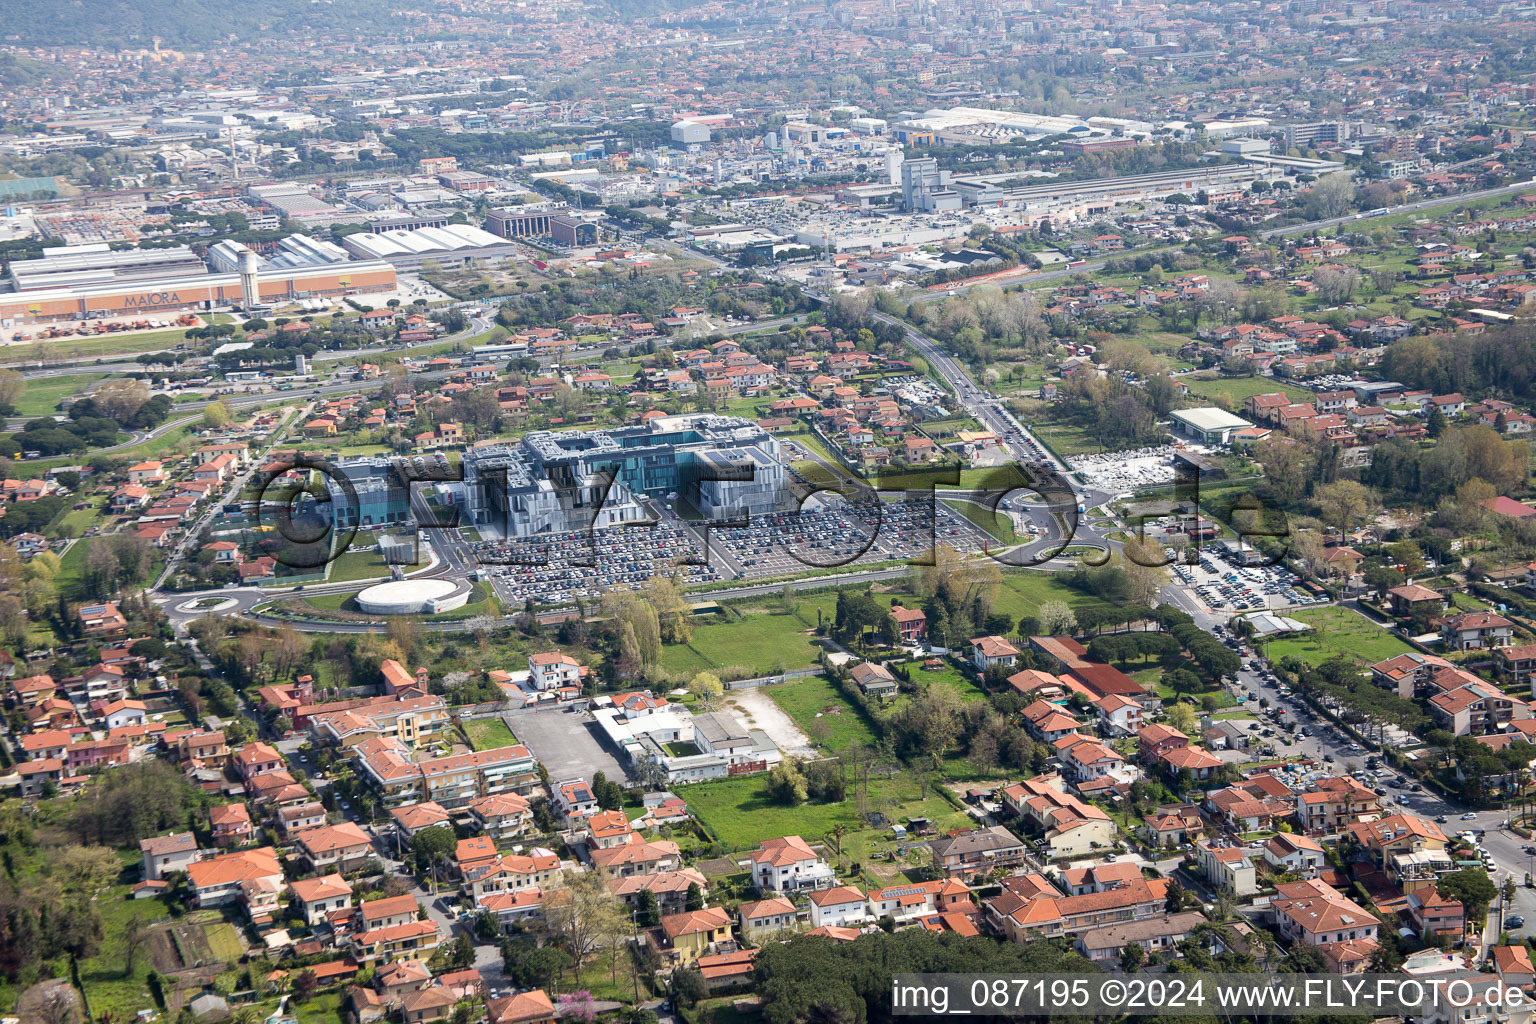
pixel 674 616
pixel 589 915
pixel 694 898
pixel 1132 957
pixel 12 387
pixel 432 845
pixel 121 397
pixel 304 984
pixel 216 415
pixel 1181 716
pixel 529 965
pixel 1056 618
pixel 688 987
pixel 1472 888
pixel 1344 503
pixel 1178 899
pixel 1333 195
pixel 786 783
pixel 706 686
pixel 1336 286
pixel 648 914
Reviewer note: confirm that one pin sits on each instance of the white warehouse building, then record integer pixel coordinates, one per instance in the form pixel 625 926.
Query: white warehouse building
pixel 450 246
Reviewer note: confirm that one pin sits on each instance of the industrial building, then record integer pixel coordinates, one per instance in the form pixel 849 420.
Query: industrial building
pixel 572 231
pixel 98 264
pixel 523 221
pixel 93 281
pixel 925 188
pixel 1209 426
pixel 1308 134
pixel 690 133
pixel 292 252
pixel 455 245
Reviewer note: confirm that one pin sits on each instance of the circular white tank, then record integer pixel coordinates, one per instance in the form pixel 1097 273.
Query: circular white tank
pixel 412 597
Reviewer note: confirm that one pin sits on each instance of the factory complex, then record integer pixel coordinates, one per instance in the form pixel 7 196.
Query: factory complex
pixel 83 282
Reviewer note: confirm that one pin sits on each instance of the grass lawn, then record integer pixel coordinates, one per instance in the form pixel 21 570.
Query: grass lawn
pixel 358 564
pixel 111 991
pixel 950 677
pixel 1223 698
pixel 75 522
pixel 488 734
pixel 1024 591
pixel 763 640
pixel 223 940
pixel 996 525
pixel 71 569
pixel 1241 388
pixel 1066 439
pixel 1338 632
pixel 740 814
pixel 822 713
pixel 107 344
pixel 806 439
pixel 44 394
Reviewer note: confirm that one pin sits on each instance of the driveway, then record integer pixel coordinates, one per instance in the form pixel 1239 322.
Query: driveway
pixel 758 711
pixel 567 743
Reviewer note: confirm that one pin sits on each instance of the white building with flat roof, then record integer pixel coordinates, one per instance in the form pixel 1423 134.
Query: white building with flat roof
pixel 1208 426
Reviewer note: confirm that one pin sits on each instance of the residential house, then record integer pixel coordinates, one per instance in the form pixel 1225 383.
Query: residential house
pixel 988 652
pixel 1227 868
pixel 696 933
pixel 320 897
pixel 341 847
pixel 770 916
pixel 1296 854
pixel 788 864
pixel 168 853
pixel 839 907
pixel 977 850
pixel 231 824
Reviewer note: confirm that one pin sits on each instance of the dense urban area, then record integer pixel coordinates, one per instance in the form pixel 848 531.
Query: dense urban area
pixel 672 512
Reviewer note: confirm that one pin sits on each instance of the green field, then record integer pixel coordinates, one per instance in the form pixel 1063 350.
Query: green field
pixel 1241 388
pixel 1024 591
pixel 44 394
pixel 488 734
pixel 111 989
pixel 96 347
pixel 739 814
pixel 763 640
pixel 950 677
pixel 1339 632
pixel 359 564
pixel 822 713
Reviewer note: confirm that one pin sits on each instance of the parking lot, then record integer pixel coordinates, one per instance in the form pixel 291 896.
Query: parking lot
pixel 1223 583
pixel 837 531
pixel 565 742
pixel 544 569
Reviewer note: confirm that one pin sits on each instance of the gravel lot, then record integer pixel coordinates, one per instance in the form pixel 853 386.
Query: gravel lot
pixel 758 711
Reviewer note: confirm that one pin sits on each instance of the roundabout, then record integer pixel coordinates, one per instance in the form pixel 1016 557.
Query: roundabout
pixel 208 606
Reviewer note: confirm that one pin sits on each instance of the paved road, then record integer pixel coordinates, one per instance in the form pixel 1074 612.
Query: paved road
pixel 1422 204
